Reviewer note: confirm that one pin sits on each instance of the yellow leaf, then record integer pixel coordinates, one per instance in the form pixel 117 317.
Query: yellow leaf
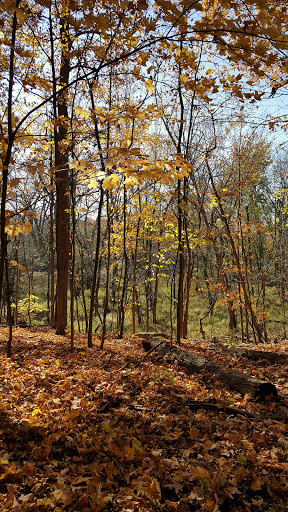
pixel 47 502
pixel 15 264
pixel 153 491
pixel 111 181
pixel 27 228
pixel 149 86
pixel 36 412
pixel 93 184
pixel 257 483
pixel 110 431
pixel 184 79
pixel 81 113
pixel 214 202
pixel 137 444
pixel 63 496
pixel 131 182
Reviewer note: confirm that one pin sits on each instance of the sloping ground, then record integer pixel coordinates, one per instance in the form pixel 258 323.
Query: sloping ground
pixel 90 431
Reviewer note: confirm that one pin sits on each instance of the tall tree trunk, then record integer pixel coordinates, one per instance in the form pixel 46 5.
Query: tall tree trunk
pixel 72 274
pixel 52 258
pixel 134 286
pixel 6 158
pixel 156 287
pixel 180 296
pixel 83 285
pixel 181 198
pixel 106 298
pixel 61 146
pixel 148 291
pixel 95 271
pixel 125 277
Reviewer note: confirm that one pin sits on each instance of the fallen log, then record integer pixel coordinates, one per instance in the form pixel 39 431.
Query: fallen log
pixel 150 335
pixel 233 379
pixel 273 357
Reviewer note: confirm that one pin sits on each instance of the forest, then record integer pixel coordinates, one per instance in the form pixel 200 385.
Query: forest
pixel 143 255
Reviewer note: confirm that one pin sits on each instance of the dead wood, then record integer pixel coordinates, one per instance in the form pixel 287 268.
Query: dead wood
pixel 233 379
pixel 150 335
pixel 208 406
pixel 273 357
pixel 233 411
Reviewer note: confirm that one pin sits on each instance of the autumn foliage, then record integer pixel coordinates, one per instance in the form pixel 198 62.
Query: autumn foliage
pixel 141 187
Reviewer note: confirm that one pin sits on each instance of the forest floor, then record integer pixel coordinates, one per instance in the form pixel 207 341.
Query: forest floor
pixel 92 431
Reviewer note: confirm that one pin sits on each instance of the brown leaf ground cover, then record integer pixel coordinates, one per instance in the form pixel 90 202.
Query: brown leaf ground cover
pixel 88 431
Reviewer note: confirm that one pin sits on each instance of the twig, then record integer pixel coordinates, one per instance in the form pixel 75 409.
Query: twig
pixel 141 361
pixel 218 408
pixel 149 352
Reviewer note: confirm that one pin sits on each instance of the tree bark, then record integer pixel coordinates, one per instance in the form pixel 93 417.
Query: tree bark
pixel 60 108
pixel 234 380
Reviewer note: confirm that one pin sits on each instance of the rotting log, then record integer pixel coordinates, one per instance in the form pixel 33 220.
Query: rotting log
pixel 273 357
pixel 233 379
pixel 150 335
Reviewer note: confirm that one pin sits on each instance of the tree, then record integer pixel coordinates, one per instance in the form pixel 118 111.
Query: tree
pixel 55 51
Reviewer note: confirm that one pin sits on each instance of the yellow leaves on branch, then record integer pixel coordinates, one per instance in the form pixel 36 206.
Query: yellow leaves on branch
pixel 83 114
pixel 129 167
pixel 18 228
pixel 15 264
pixel 131 182
pixel 149 86
pixel 111 181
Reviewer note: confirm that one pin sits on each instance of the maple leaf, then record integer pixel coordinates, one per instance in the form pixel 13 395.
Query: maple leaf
pixel 81 112
pixel 257 483
pixel 149 86
pixel 111 181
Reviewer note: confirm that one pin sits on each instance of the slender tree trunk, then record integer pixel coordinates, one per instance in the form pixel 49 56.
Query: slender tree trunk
pixel 16 289
pixel 125 277
pixel 181 198
pixel 106 298
pixel 9 312
pixel 190 266
pixel 83 286
pixel 148 282
pixel 134 286
pixel 52 258
pixel 60 107
pixel 72 273
pixel 264 306
pixel 4 271
pixel 156 287
pixel 180 297
pixel 95 271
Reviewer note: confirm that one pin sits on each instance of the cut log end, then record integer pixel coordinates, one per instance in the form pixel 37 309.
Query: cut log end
pixel 265 391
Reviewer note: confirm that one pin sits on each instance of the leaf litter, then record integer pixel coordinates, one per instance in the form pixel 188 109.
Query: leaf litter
pixel 91 431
